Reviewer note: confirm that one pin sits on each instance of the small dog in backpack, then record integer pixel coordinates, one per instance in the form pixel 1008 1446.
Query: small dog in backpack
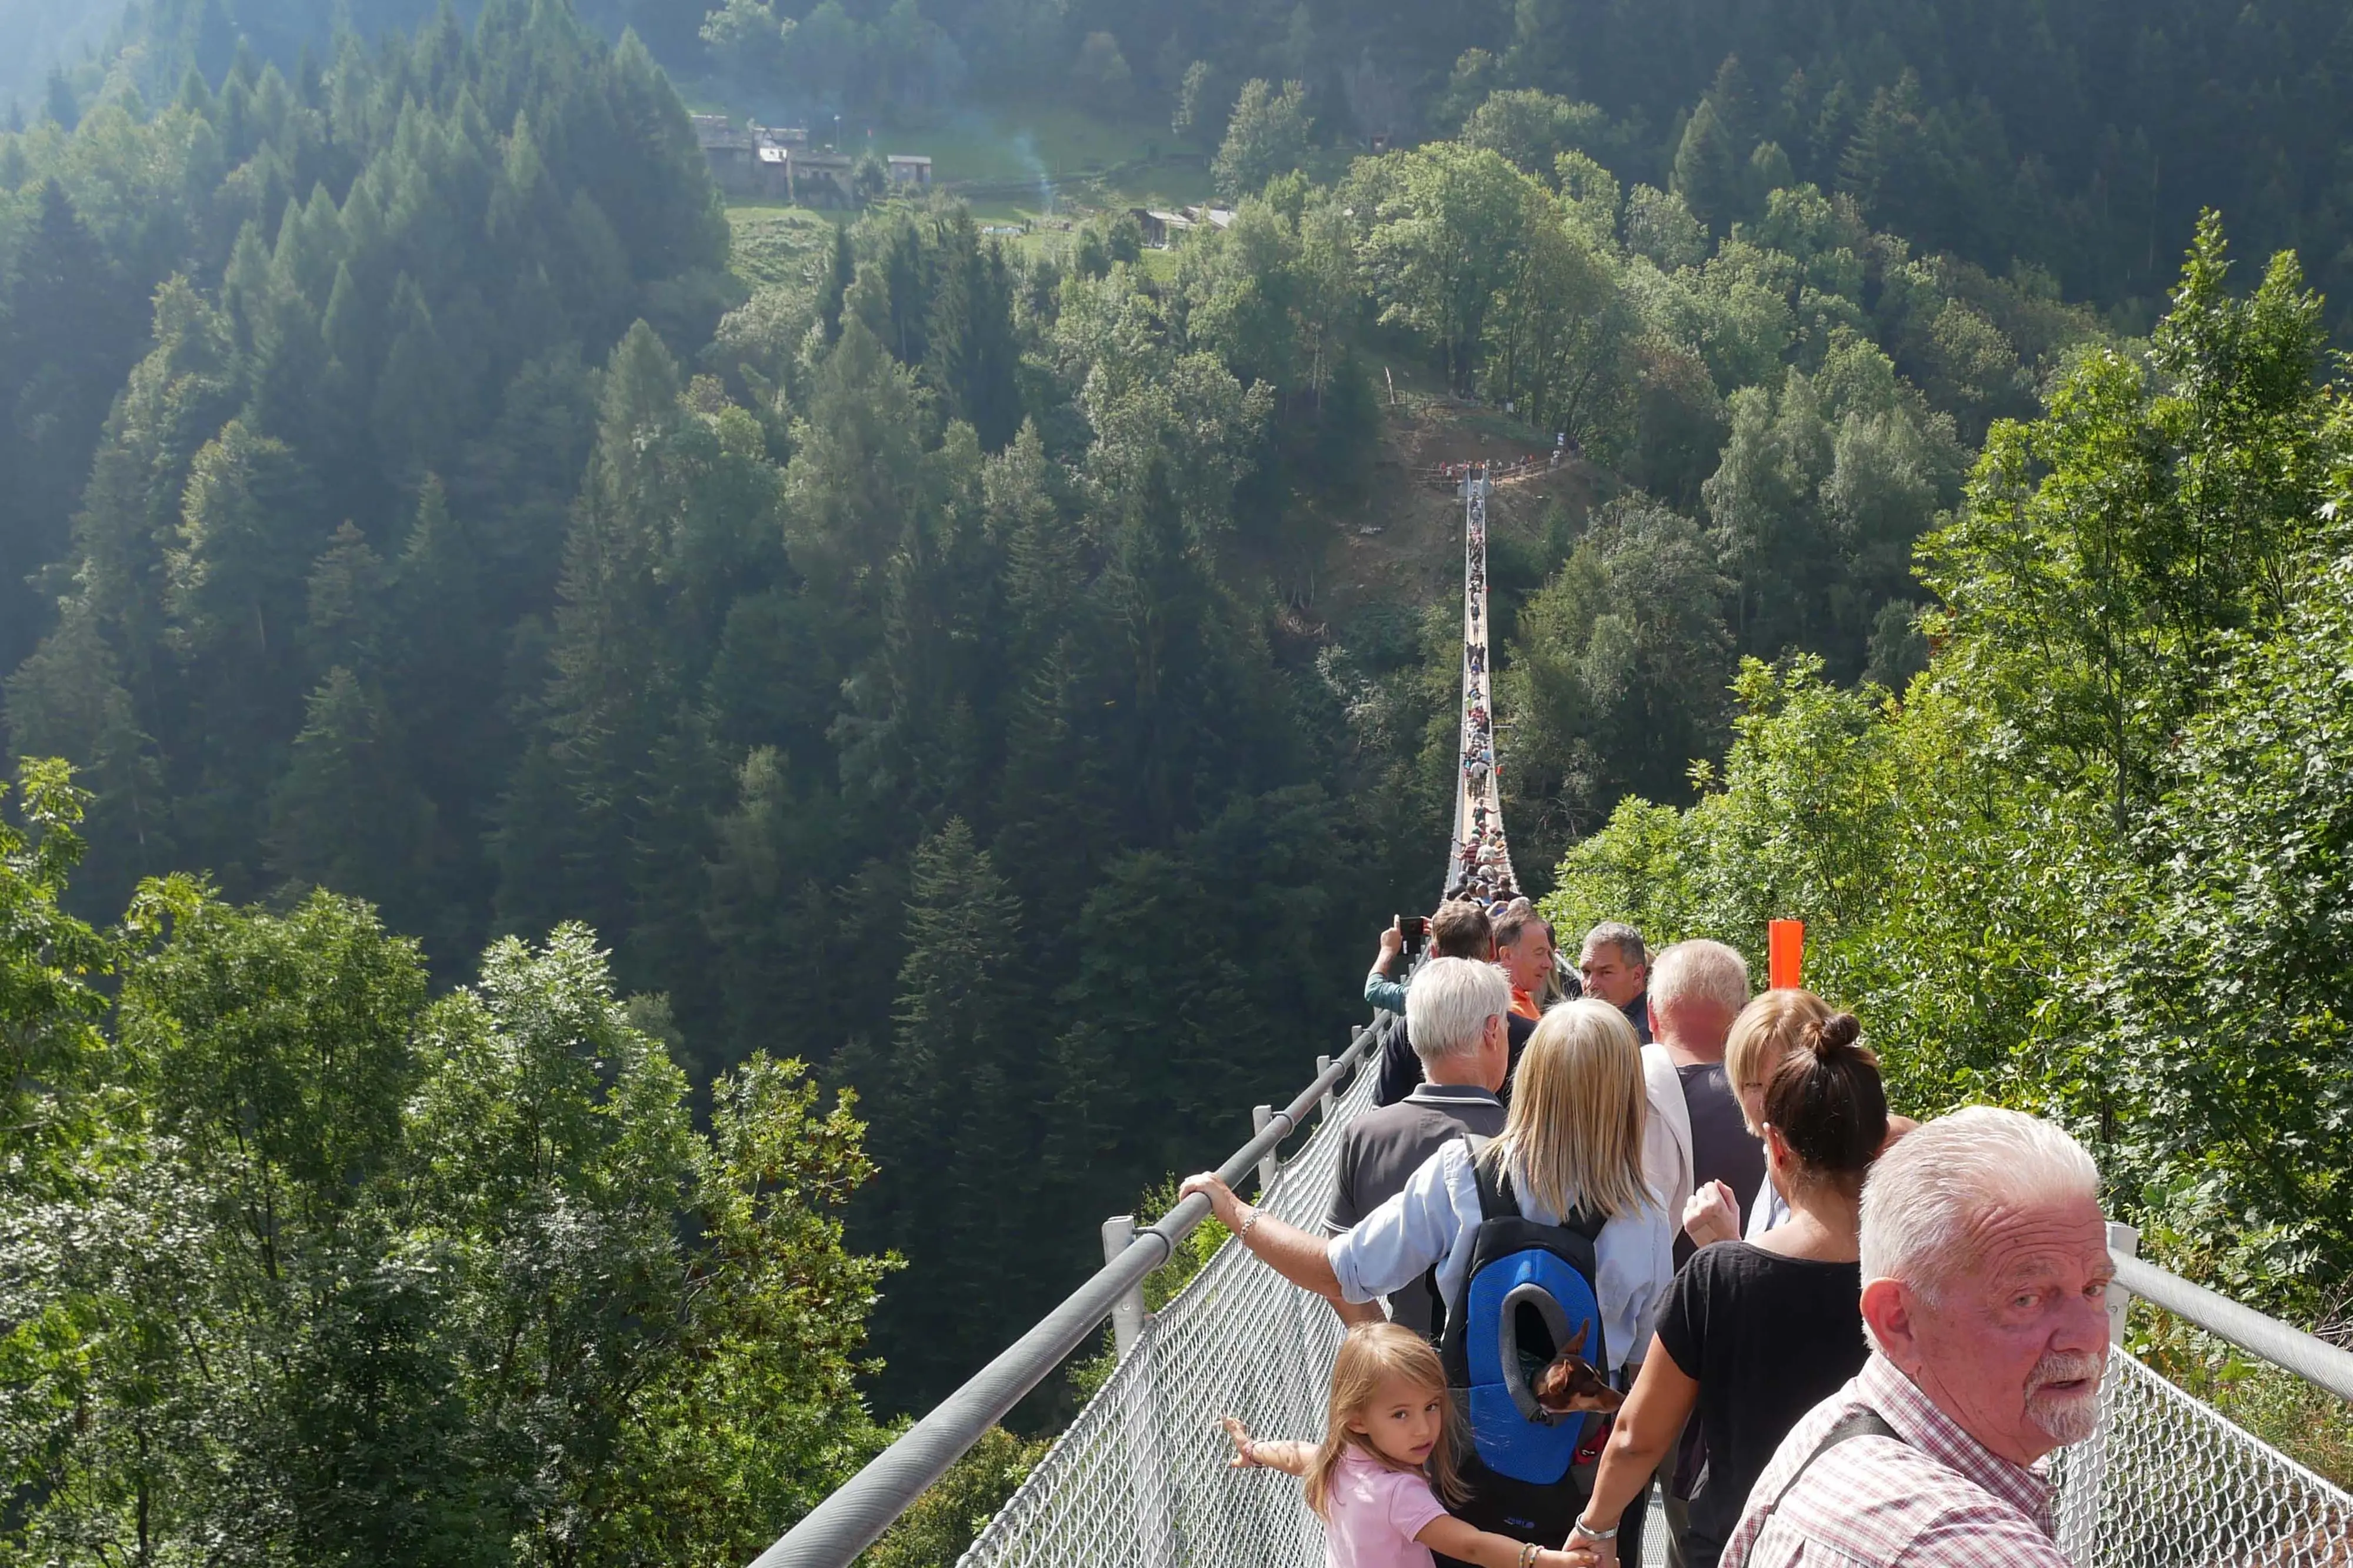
pixel 1571 1385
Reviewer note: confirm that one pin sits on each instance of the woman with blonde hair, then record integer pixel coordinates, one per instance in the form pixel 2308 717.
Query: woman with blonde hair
pixel 1568 1163
pixel 1774 1023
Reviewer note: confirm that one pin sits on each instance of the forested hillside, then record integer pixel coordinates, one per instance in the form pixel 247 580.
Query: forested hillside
pixel 2093 861
pixel 2080 140
pixel 883 661
pixel 908 655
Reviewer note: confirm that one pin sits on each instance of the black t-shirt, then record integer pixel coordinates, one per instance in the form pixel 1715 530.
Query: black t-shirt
pixel 1722 1150
pixel 1767 1338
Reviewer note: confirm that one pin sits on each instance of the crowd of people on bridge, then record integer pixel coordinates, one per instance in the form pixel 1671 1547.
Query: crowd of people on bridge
pixel 1629 1223
pixel 1497 470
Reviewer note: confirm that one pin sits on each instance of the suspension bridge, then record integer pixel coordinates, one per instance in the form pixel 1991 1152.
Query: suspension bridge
pixel 1139 1479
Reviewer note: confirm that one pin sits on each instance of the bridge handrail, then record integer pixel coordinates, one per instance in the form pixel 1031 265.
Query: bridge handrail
pixel 2308 1356
pixel 846 1523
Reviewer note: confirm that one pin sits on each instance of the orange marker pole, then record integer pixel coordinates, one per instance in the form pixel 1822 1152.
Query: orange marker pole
pixel 1785 950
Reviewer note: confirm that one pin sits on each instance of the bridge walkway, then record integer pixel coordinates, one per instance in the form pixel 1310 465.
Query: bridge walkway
pixel 1139 1479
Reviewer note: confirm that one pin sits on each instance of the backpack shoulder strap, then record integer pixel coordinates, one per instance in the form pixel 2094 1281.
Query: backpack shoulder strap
pixel 1586 1223
pixel 1863 1423
pixel 1495 1199
pixel 1498 1201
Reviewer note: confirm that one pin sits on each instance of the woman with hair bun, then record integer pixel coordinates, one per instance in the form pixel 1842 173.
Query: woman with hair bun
pixel 1756 1333
pixel 1764 1033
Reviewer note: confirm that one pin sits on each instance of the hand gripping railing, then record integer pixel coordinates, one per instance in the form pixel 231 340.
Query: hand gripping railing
pixel 847 1522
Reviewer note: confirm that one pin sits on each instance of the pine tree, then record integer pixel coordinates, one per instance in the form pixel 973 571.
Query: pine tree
pixel 71 333
pixel 60 104
pixel 417 411
pixel 345 815
pixel 839 273
pixel 951 1103
pixel 852 487
pixel 1708 169
pixel 614 683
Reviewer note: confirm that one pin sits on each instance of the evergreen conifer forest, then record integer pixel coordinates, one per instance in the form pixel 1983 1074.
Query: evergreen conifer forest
pixel 629 817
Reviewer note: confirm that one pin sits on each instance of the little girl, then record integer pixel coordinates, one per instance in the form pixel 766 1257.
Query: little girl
pixel 1391 1433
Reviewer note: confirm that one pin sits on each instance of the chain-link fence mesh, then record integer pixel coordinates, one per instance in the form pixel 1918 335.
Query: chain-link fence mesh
pixel 2166 1482
pixel 1140 1478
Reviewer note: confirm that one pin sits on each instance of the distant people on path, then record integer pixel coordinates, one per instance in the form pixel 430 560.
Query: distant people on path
pixel 1458 930
pixel 1984 1264
pixel 1754 1335
pixel 1616 967
pixel 1769 1029
pixel 1382 1476
pixel 1524 953
pixel 1563 1182
pixel 1457 1016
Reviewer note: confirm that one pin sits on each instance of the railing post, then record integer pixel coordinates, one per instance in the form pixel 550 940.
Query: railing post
pixel 1127 1313
pixel 1139 1416
pixel 2124 1239
pixel 2081 1505
pixel 1262 1116
pixel 1322 1066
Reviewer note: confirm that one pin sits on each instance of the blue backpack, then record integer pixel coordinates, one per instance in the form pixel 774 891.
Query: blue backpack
pixel 1527 1293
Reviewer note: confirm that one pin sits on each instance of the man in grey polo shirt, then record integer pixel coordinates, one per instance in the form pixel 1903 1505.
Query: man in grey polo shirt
pixel 1455 1012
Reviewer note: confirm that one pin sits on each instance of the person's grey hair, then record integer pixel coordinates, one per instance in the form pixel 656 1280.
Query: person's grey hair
pixel 1621 936
pixel 1924 1194
pixel 1449 1003
pixel 1699 971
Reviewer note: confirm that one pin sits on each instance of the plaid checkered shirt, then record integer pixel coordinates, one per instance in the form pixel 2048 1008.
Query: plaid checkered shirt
pixel 1936 1499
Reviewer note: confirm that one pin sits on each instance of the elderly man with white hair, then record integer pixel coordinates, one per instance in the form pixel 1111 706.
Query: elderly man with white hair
pixel 1455 1019
pixel 1985 1273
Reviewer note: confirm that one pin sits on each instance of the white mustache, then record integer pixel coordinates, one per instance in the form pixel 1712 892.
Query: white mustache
pixel 2066 1368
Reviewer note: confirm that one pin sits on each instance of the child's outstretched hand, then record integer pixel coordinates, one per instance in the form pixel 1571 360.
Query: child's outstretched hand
pixel 1244 1458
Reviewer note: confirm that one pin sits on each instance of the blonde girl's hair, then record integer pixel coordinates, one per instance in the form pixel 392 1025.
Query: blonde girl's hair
pixel 1371 1354
pixel 1765 1031
pixel 1574 1138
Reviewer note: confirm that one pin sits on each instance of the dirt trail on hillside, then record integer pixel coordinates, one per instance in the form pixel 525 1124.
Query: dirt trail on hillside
pixel 1405 541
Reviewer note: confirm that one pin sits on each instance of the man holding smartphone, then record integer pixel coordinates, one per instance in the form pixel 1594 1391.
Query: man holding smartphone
pixel 1402 939
pixel 1458 930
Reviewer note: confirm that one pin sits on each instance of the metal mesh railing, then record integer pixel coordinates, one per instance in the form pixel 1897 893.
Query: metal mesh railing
pixel 1140 1478
pixel 2166 1482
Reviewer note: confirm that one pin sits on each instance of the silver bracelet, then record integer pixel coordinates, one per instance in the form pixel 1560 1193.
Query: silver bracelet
pixel 1590 1533
pixel 1242 1235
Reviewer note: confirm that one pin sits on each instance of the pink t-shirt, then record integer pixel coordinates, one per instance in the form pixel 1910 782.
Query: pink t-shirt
pixel 1375 1512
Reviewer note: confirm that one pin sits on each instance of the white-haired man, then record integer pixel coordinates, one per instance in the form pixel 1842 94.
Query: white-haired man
pixel 1455 1015
pixel 1985 1274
